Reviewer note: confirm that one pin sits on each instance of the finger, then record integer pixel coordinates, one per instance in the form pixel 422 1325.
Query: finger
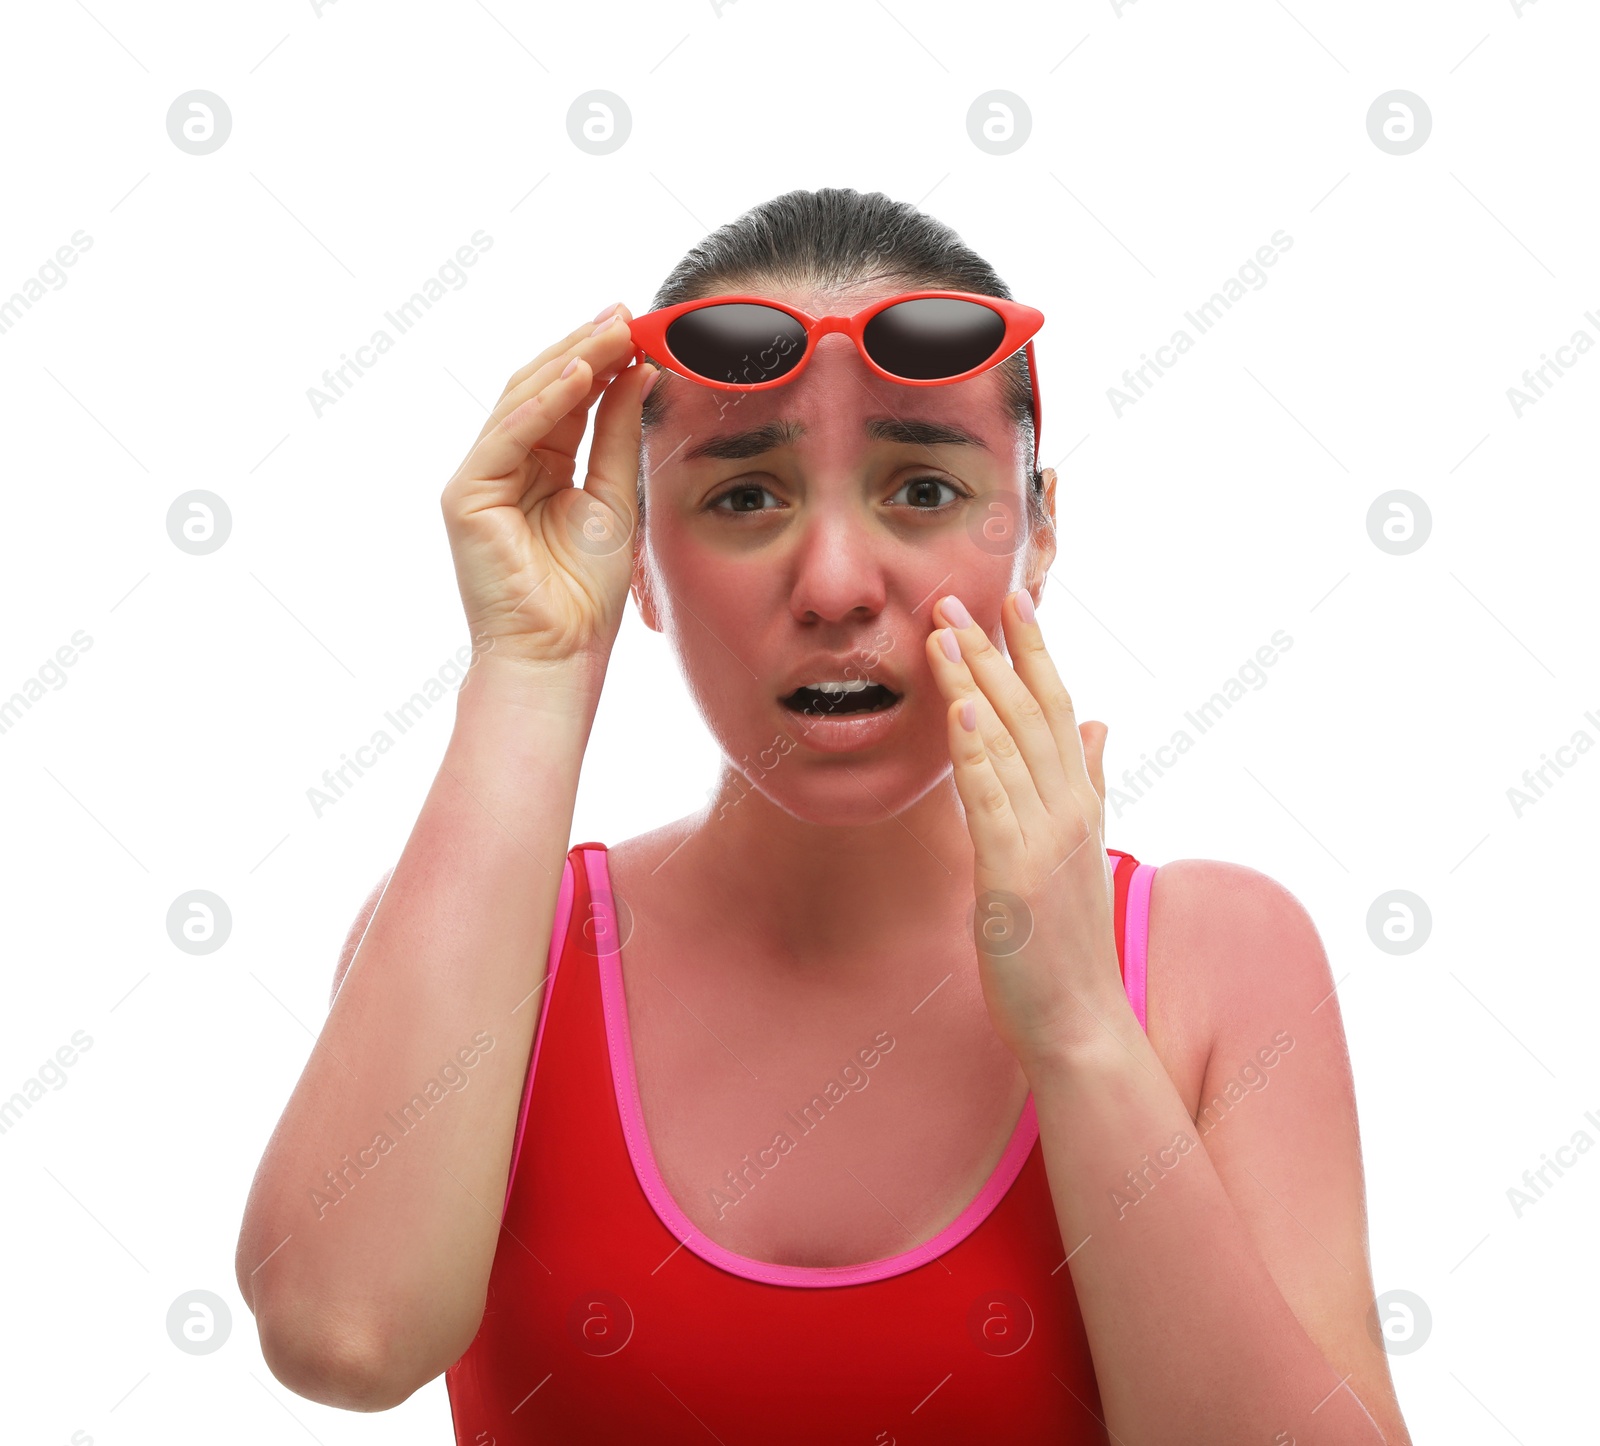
pixel 560 348
pixel 613 477
pixel 493 473
pixel 1011 700
pixel 1025 641
pixel 997 840
pixel 505 443
pixel 604 348
pixel 1005 759
pixel 625 357
pixel 1094 749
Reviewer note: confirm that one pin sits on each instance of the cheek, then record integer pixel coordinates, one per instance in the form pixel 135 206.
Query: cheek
pixel 718 615
pixel 701 586
pixel 980 577
pixel 722 596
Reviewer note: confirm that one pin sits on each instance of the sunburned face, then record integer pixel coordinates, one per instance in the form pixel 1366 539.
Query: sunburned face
pixel 801 535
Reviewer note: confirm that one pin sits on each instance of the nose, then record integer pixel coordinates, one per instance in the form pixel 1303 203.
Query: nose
pixel 839 569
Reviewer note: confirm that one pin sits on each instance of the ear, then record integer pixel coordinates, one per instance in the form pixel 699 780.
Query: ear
pixel 1044 539
pixel 643 597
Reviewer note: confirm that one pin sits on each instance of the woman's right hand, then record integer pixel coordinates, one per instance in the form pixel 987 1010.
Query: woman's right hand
pixel 544 566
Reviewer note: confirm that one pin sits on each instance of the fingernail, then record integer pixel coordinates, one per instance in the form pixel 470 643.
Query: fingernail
pixel 572 366
pixel 1025 606
pixel 969 716
pixel 956 613
pixel 947 641
pixel 606 311
pixel 649 382
pixel 600 326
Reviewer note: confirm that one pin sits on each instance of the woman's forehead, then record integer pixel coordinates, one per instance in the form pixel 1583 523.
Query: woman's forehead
pixel 835 394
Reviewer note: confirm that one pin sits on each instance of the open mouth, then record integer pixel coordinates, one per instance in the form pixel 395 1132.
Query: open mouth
pixel 840 701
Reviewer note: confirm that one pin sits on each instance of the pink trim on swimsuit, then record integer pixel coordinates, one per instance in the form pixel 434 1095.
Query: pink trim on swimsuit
pixel 558 934
pixel 626 1084
pixel 1137 943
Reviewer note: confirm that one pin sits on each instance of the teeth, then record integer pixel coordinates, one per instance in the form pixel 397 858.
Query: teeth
pixel 856 687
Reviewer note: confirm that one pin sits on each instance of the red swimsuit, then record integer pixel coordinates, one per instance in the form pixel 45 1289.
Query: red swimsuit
pixel 611 1318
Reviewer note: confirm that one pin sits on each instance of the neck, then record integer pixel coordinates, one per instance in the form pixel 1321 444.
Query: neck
pixel 836 896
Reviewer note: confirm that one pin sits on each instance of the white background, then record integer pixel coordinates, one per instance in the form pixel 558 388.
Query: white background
pixel 1167 143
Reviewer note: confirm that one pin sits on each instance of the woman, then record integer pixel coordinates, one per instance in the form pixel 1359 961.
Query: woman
pixel 839 1119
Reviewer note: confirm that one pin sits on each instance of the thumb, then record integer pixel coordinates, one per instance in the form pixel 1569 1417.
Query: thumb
pixel 613 475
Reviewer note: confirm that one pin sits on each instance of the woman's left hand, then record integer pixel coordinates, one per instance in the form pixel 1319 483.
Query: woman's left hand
pixel 1032 782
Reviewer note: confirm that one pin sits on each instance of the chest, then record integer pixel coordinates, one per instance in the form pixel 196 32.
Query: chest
pixel 802 1133
pixel 802 1118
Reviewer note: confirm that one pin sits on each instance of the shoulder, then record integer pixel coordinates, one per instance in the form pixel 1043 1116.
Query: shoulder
pixel 1228 947
pixel 1211 899
pixel 637 859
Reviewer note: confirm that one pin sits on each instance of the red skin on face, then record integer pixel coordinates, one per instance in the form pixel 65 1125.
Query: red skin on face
pixel 829 565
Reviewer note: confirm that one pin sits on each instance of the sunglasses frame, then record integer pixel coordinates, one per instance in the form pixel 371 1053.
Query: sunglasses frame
pixel 649 333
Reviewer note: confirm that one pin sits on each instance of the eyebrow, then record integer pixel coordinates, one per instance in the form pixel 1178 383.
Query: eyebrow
pixel 737 446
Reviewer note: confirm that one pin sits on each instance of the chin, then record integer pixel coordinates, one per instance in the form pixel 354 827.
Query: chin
pixel 840 790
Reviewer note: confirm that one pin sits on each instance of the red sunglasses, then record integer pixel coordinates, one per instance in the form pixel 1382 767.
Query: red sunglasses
pixel 746 343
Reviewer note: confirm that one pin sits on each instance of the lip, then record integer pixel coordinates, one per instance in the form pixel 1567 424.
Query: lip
pixel 848 667
pixel 846 733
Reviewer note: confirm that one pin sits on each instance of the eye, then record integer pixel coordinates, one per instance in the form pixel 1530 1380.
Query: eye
pixel 921 486
pixel 745 493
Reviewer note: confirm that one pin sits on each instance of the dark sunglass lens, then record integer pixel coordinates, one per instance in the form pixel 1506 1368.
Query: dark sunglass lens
pixel 933 337
pixel 737 342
